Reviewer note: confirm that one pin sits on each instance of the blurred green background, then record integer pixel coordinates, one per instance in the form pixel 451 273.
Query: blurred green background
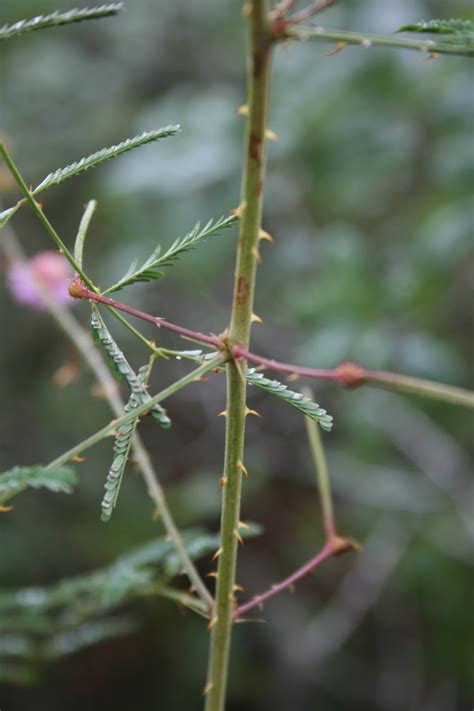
pixel 369 198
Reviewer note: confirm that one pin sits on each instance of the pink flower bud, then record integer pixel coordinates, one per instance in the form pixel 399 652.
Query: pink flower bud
pixel 51 270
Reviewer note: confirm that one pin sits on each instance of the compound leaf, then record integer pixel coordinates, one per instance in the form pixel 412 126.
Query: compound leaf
pixel 56 19
pixel 16 480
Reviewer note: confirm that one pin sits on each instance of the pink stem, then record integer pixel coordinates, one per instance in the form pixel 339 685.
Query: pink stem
pixel 323 374
pixel 347 374
pixel 326 552
pixel 79 291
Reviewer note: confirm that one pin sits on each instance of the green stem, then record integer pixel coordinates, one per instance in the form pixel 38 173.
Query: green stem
pixel 136 412
pixel 418 386
pixel 321 469
pixel 258 79
pixel 367 40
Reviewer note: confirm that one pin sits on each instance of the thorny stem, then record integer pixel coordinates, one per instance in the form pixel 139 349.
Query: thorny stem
pixel 83 342
pixel 284 30
pixel 349 375
pixel 258 80
pixel 321 469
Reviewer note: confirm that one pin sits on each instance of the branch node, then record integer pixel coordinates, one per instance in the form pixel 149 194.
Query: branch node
pixel 350 375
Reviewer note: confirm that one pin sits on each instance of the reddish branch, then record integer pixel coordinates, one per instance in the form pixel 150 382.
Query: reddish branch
pixel 334 546
pixel 310 11
pixel 349 375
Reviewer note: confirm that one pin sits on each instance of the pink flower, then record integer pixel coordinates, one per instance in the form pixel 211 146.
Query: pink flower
pixel 51 270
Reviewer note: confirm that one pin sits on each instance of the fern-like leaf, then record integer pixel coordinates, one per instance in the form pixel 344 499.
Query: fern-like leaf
pixel 122 445
pixel 149 270
pixel 101 156
pixel 274 387
pixel 7 214
pixel 56 19
pixel 453 31
pixel 297 400
pixel 122 368
pixel 16 480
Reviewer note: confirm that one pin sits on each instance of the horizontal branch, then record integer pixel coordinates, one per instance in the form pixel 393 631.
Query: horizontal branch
pixel 349 375
pixel 284 30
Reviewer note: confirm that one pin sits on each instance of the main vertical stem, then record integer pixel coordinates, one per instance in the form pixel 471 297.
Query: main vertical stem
pixel 258 77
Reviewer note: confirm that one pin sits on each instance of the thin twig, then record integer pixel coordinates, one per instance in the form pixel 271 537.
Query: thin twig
pixel 333 546
pixel 284 31
pixel 310 11
pixel 321 469
pixel 283 8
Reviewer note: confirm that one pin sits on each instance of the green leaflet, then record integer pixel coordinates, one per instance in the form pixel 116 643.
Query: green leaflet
pixel 16 480
pixel 297 400
pixel 91 161
pixel 122 368
pixel 101 156
pixel 122 445
pixel 82 231
pixel 56 19
pixel 149 271
pixel 274 387
pixel 7 214
pixel 455 31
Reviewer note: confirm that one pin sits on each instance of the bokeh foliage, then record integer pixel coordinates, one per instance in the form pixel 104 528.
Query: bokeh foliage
pixel 369 200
